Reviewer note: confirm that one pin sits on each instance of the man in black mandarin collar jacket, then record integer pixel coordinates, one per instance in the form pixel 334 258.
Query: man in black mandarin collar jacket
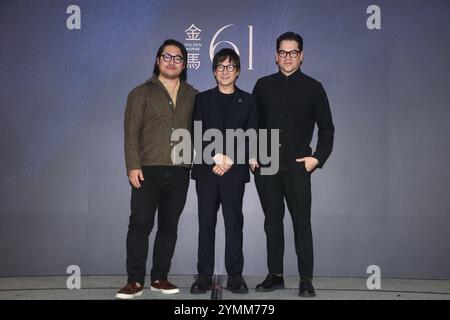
pixel 293 103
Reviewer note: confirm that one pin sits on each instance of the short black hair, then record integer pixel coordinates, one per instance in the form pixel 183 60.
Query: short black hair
pixel 290 36
pixel 172 42
pixel 223 54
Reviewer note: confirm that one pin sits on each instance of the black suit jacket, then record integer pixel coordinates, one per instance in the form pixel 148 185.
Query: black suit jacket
pixel 242 115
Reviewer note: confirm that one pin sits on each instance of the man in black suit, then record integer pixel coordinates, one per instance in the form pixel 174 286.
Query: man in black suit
pixel 293 103
pixel 222 181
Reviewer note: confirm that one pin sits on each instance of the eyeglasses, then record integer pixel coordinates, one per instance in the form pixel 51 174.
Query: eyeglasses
pixel 168 57
pixel 230 67
pixel 292 53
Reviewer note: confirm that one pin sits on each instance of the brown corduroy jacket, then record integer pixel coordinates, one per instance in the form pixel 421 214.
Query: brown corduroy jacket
pixel 150 118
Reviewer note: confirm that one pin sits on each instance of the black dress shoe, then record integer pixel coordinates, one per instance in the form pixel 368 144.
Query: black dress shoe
pixel 236 284
pixel 201 285
pixel 306 289
pixel 272 282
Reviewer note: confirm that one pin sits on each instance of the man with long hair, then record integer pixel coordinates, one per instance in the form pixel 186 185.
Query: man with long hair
pixel 154 110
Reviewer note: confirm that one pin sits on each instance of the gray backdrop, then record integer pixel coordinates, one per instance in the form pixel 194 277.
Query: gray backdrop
pixel 382 198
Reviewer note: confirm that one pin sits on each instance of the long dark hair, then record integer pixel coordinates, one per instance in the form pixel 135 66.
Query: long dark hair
pixel 172 42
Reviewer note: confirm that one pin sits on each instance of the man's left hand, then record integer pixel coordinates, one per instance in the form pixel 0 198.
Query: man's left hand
pixel 310 163
pixel 218 170
pixel 253 164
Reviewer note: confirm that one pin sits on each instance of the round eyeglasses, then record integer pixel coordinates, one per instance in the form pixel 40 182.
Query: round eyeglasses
pixel 168 57
pixel 292 53
pixel 221 67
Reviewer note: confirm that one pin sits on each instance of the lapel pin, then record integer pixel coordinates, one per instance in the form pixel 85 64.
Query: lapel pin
pixel 240 100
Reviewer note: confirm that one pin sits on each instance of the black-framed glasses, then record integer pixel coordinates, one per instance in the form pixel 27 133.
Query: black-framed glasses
pixel 292 53
pixel 168 57
pixel 230 67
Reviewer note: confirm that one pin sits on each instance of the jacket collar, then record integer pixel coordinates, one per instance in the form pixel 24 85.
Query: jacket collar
pixel 183 85
pixel 296 75
pixel 237 91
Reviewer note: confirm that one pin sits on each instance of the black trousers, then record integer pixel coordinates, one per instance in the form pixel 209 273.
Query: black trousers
pixel 212 192
pixel 295 187
pixel 163 189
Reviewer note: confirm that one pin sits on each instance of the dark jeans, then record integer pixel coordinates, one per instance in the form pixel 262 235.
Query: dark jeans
pixel 295 187
pixel 163 189
pixel 212 192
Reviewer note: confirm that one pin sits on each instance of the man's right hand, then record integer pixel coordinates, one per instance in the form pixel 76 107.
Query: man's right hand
pixel 134 176
pixel 223 162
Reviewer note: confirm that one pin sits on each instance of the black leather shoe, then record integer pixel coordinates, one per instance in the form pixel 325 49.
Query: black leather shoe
pixel 272 282
pixel 236 284
pixel 201 285
pixel 306 289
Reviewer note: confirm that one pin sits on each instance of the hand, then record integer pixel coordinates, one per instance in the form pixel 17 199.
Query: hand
pixel 310 163
pixel 217 170
pixel 223 162
pixel 253 165
pixel 134 176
